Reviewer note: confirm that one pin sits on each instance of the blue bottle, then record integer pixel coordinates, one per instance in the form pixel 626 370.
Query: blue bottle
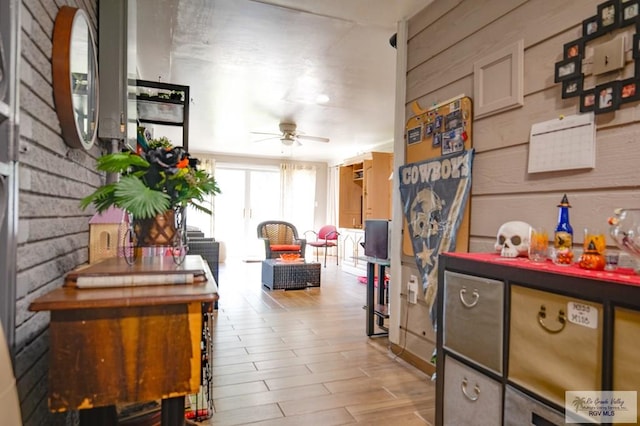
pixel 563 236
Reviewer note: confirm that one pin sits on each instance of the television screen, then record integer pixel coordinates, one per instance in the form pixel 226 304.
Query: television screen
pixel 376 238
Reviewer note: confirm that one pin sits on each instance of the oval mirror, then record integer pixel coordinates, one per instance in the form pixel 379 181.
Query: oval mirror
pixel 75 77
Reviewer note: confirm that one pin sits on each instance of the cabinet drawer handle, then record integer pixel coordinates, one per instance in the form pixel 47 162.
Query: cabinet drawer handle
pixel 475 294
pixel 476 390
pixel 542 314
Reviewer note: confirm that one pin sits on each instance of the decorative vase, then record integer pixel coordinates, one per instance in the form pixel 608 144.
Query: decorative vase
pixel 156 231
pixel 625 232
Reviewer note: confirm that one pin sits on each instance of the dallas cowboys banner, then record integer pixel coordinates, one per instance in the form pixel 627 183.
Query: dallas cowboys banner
pixel 434 194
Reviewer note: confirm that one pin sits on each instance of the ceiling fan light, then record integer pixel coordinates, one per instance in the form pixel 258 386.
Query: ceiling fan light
pixel 287 139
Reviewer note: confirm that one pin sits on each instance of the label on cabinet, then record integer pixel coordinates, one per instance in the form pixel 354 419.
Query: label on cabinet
pixel 582 314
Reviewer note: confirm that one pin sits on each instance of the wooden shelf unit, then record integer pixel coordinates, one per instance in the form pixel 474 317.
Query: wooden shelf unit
pixel 365 190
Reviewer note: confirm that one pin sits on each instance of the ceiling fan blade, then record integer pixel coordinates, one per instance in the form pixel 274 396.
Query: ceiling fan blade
pixel 267 139
pixel 265 133
pixel 313 138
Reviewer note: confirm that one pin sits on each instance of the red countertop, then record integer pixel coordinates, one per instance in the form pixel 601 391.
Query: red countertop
pixel 620 275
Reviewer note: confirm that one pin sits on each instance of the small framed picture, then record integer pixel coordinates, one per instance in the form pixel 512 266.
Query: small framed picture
pixel 629 90
pixel 606 97
pixel 414 135
pixel 608 15
pixel 447 146
pixel 590 28
pixel 568 68
pixel 438 122
pixel 573 87
pixel 428 129
pixel 587 100
pixel 437 139
pixel 630 11
pixel 573 49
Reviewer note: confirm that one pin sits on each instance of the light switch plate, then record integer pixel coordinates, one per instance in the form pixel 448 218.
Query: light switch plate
pixel 608 56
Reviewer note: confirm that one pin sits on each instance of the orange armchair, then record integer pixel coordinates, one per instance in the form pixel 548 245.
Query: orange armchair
pixel 280 237
pixel 326 237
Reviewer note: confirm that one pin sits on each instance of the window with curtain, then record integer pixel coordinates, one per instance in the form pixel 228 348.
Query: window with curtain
pixel 196 218
pixel 298 195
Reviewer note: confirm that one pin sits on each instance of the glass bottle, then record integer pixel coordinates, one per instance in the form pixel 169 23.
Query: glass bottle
pixel 563 236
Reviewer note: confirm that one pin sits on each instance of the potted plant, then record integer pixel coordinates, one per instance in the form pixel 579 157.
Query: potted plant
pixel 155 183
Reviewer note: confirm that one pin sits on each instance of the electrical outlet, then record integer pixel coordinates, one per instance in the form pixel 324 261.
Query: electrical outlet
pixel 412 289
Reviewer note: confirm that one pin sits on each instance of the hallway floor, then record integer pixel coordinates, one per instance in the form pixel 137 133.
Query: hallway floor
pixel 302 357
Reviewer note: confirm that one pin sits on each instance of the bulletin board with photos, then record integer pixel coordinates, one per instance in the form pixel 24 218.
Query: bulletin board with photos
pixel 443 129
pixel 608 96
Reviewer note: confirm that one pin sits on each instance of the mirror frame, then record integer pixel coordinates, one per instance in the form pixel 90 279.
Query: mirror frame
pixel 62 77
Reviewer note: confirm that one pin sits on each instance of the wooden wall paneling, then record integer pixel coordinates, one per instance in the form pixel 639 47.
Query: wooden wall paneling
pixel 534 21
pixel 540 59
pixel 505 171
pixel 468 18
pixel 501 140
pixel 415 321
pixel 541 97
pixel 513 127
pixel 429 15
pixel 419 346
pixel 588 209
pixel 440 94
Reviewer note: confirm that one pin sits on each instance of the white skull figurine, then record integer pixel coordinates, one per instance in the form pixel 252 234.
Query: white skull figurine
pixel 513 239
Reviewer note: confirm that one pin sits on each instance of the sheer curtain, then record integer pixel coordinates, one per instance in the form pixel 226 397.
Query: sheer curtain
pixel 298 195
pixel 196 218
pixel 333 195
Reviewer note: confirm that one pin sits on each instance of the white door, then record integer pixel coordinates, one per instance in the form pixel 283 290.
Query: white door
pixel 248 197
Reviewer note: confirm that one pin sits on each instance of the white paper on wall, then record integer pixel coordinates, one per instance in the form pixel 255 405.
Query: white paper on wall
pixel 564 143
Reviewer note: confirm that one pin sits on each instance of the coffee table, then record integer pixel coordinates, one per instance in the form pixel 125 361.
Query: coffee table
pixel 278 274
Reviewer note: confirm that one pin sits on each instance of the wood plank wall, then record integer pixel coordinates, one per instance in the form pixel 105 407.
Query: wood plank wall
pixel 53 231
pixel 445 39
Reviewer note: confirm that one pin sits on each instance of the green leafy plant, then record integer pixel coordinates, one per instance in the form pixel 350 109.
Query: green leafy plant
pixel 160 178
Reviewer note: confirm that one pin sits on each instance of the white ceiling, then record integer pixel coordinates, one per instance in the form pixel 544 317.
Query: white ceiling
pixel 252 64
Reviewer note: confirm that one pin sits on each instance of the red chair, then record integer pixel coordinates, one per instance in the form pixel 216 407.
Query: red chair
pixel 326 237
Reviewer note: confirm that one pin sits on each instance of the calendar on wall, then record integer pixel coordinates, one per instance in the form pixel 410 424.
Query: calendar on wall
pixel 565 143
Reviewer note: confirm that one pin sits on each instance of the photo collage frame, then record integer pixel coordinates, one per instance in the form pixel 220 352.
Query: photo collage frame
pixel 607 96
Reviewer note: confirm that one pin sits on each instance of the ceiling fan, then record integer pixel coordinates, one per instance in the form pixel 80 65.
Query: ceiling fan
pixel 288 135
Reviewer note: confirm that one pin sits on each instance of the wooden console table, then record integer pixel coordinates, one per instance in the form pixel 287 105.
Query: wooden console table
pixel 125 344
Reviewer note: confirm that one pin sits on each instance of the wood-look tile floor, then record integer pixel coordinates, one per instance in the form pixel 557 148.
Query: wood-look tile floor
pixel 302 357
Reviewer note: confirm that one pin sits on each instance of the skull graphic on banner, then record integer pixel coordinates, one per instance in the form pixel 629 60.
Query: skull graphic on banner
pixel 434 195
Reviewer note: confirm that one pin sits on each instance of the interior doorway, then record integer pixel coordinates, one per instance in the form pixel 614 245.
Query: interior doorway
pixel 249 196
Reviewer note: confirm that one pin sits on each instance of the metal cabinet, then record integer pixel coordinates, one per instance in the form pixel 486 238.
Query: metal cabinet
pixel 626 332
pixel 529 333
pixel 469 394
pixel 473 320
